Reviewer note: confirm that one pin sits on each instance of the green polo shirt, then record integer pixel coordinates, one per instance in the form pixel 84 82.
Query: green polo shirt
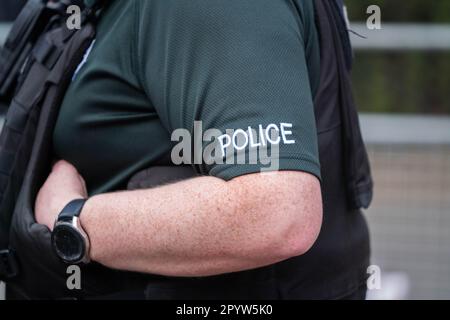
pixel 245 68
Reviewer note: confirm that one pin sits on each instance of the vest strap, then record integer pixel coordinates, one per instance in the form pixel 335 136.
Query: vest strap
pixel 9 267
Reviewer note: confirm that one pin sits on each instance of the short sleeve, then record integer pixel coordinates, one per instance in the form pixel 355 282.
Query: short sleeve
pixel 236 68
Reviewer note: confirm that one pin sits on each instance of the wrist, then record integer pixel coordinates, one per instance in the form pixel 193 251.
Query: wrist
pixel 87 222
pixel 70 242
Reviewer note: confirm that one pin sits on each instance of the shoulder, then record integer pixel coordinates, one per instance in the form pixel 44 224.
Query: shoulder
pixel 223 15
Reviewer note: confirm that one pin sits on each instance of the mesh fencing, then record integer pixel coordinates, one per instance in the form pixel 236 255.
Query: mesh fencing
pixel 410 216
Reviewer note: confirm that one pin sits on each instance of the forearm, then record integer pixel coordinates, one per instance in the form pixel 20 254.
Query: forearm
pixel 199 227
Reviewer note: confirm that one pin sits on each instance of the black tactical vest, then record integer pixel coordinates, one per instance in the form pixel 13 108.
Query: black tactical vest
pixel 335 266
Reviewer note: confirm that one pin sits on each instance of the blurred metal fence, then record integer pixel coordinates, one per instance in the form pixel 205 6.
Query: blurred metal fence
pixel 401 36
pixel 410 216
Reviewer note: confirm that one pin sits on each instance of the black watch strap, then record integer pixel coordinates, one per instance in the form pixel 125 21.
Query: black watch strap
pixel 73 209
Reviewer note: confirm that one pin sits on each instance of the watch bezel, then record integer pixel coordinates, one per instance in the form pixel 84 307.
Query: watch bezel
pixel 73 226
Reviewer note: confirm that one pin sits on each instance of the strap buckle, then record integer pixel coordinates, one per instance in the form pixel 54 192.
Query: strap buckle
pixel 9 268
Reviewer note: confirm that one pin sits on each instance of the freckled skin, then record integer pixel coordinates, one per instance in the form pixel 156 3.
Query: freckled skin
pixel 206 226
pixel 200 227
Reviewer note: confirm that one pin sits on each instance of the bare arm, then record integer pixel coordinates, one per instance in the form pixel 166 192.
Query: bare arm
pixel 206 226
pixel 199 227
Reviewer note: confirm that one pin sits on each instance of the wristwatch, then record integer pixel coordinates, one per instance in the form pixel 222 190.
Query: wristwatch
pixel 69 240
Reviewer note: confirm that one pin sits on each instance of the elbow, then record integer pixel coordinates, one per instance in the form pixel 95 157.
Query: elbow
pixel 289 223
pixel 300 235
pixel 297 235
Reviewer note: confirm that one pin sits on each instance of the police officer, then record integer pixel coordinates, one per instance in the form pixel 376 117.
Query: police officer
pixel 232 232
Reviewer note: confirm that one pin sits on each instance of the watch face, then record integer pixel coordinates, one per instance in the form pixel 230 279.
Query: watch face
pixel 68 243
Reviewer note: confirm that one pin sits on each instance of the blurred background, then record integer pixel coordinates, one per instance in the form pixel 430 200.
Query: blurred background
pixel 402 87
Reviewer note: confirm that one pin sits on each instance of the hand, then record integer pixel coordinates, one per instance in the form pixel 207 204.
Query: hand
pixel 63 185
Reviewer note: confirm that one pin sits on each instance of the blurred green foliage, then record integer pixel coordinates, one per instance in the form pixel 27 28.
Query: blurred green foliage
pixel 402 82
